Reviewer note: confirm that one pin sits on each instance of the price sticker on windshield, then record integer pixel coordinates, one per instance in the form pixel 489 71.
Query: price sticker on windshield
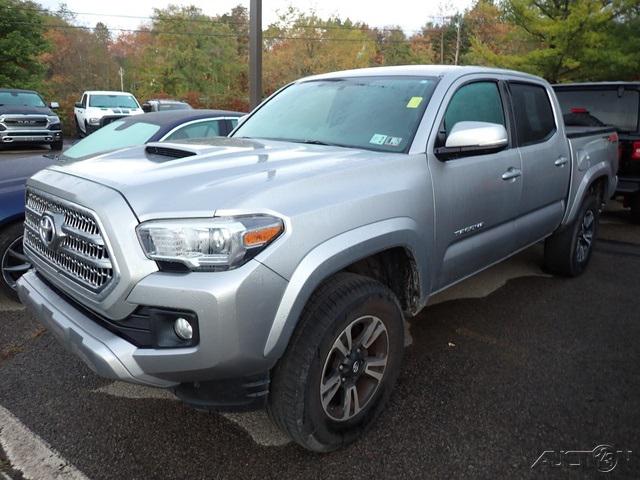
pixel 414 102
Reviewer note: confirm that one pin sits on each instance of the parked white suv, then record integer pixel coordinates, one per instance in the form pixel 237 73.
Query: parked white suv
pixel 99 108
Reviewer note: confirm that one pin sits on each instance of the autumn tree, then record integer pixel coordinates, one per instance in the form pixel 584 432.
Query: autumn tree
pixel 302 44
pixel 22 42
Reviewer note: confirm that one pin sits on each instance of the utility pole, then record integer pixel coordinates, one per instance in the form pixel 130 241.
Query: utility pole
pixel 121 73
pixel 458 40
pixel 255 53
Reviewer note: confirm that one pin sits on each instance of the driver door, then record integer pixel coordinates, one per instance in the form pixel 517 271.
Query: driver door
pixel 477 195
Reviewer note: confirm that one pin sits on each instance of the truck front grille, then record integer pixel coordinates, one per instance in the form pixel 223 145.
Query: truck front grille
pixel 26 122
pixel 77 248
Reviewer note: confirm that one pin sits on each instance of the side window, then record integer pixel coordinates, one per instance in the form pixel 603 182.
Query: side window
pixel 84 100
pixel 234 123
pixel 533 113
pixel 475 102
pixel 206 129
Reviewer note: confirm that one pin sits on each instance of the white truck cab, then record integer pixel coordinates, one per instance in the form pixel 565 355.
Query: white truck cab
pixel 99 108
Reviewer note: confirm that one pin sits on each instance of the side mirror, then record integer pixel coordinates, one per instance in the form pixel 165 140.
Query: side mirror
pixel 474 138
pixel 146 107
pixel 54 105
pixel 78 105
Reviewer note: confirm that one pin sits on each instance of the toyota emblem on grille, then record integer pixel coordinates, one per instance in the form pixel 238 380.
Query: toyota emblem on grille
pixel 50 229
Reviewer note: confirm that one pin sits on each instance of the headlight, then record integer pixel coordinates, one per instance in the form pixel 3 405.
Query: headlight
pixel 208 244
pixel 94 121
pixel 53 119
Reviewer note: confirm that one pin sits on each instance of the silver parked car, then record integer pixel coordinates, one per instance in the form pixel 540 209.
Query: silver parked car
pixel 275 268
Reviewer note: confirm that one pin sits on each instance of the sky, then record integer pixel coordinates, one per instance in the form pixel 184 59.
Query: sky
pixel 410 15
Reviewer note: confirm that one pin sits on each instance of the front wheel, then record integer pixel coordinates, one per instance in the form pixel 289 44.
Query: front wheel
pixel 341 364
pixel 13 262
pixel 568 251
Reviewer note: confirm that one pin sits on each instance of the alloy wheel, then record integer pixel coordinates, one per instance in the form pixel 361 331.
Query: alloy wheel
pixel 585 236
pixel 354 368
pixel 14 263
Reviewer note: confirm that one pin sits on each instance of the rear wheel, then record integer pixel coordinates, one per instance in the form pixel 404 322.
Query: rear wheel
pixel 568 251
pixel 341 364
pixel 13 262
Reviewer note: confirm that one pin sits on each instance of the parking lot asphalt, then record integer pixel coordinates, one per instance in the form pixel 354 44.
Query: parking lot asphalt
pixel 501 368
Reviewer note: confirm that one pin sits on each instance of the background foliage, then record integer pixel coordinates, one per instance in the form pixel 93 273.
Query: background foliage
pixel 182 53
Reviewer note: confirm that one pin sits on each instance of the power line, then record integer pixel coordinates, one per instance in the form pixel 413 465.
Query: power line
pixel 362 28
pixel 225 35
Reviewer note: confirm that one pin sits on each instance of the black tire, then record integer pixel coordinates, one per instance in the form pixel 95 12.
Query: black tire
pixel 564 251
pixel 11 257
pixel 295 403
pixel 57 145
pixel 635 208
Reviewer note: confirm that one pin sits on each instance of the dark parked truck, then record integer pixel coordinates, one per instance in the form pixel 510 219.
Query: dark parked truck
pixel 25 118
pixel 275 268
pixel 616 104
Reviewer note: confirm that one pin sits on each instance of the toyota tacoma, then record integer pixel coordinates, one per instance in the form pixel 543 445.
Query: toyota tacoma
pixel 275 268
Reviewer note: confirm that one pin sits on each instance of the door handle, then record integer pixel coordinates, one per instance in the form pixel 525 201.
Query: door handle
pixel 512 174
pixel 561 162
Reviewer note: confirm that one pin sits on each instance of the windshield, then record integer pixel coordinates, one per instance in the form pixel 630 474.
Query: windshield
pixel 21 99
pixel 375 113
pixel 618 108
pixel 162 107
pixel 111 137
pixel 113 101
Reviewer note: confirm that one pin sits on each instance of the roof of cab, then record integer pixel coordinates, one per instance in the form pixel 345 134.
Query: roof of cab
pixel 105 92
pixel 422 71
pixel 17 90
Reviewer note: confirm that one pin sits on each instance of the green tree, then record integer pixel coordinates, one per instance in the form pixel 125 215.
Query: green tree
pixel 191 53
pixel 21 44
pixel 565 39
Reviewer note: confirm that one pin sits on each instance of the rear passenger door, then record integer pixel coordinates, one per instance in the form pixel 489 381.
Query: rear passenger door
pixel 476 204
pixel 546 167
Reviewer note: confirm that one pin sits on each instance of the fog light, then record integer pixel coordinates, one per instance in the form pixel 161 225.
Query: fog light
pixel 183 329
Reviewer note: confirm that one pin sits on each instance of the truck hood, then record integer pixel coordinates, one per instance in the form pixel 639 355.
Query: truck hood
pixel 21 110
pixel 226 174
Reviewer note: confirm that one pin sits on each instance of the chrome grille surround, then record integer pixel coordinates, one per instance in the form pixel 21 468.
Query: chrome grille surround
pixel 26 121
pixel 82 255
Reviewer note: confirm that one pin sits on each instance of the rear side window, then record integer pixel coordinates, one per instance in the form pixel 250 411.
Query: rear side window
pixel 475 102
pixel 533 112
pixel 205 129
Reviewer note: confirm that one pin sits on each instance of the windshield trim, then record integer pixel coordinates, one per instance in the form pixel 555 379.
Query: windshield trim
pixel 423 107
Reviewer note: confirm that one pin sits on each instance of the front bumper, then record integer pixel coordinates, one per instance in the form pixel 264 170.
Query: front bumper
pixel 235 310
pixel 30 136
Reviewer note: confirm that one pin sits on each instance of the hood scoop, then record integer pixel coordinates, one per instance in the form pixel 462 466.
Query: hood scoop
pixel 170 152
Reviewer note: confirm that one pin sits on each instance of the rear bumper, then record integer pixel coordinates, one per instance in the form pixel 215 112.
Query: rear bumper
pixel 628 185
pixel 35 136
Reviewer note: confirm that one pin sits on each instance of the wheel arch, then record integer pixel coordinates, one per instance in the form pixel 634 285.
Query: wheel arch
pixel 361 250
pixel 599 177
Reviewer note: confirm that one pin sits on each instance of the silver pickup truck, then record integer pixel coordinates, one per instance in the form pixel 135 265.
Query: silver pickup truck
pixel 275 268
